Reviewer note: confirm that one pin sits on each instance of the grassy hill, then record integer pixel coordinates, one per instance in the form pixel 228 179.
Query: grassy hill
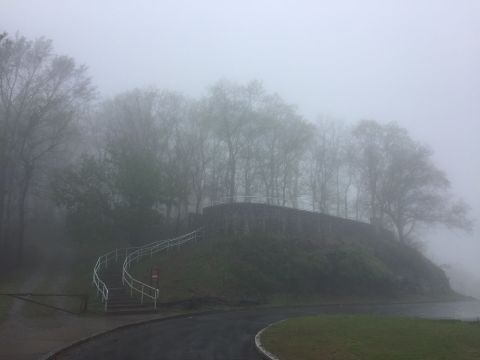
pixel 269 269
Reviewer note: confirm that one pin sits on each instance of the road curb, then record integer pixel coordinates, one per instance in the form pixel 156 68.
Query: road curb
pixel 260 348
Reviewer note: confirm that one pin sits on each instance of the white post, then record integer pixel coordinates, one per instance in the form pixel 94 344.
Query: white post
pixel 155 300
pixel 106 301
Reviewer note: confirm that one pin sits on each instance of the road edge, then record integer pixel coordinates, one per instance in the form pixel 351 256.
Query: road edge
pixel 52 354
pixel 259 346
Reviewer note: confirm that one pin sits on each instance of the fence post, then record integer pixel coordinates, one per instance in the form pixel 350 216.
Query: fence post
pixel 106 301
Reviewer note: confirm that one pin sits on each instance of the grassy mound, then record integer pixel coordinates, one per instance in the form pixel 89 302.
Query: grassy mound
pixel 372 338
pixel 266 269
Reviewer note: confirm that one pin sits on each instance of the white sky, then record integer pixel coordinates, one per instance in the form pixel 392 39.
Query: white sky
pixel 414 62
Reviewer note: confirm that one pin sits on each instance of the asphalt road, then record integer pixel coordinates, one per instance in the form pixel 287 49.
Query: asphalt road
pixel 230 335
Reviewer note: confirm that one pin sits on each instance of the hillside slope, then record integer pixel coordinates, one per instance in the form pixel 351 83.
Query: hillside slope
pixel 266 268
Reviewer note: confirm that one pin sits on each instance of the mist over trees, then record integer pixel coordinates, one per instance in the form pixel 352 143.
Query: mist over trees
pixel 40 95
pixel 151 159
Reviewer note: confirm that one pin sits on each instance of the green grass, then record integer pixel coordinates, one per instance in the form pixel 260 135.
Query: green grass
pixel 372 338
pixel 285 271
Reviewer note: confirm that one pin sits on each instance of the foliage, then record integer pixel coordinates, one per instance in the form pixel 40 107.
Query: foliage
pixel 42 95
pixel 158 156
pixel 403 184
pixel 263 268
pixel 85 191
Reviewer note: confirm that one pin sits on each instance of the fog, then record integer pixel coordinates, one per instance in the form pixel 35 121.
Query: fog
pixel 415 63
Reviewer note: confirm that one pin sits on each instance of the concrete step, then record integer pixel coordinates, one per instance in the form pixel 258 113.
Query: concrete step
pixel 131 311
pixel 129 306
pixel 123 300
pixel 110 276
pixel 118 290
pixel 114 285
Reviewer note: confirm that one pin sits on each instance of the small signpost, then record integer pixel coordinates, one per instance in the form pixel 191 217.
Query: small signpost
pixel 154 276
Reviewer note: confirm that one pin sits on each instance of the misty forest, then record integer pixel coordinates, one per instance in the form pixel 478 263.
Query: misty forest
pixel 239 180
pixel 146 161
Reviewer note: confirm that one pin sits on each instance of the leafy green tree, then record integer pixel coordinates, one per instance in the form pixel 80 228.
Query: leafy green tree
pixel 41 96
pixel 85 190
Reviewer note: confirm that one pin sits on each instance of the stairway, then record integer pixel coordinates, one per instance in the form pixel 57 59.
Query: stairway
pixel 124 298
pixel 119 299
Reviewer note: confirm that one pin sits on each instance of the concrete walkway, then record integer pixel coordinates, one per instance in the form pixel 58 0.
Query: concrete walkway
pixel 30 331
pixel 25 339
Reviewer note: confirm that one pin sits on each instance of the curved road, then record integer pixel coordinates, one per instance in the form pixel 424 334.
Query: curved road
pixel 230 335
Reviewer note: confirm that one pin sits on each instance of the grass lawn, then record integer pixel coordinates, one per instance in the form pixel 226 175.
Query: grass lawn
pixel 276 271
pixel 372 338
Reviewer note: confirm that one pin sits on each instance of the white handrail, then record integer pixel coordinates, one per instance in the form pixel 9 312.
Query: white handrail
pixel 139 287
pixel 102 263
pixel 135 253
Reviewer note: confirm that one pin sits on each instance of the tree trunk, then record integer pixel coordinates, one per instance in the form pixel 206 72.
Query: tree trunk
pixel 232 174
pixel 198 202
pixel 22 212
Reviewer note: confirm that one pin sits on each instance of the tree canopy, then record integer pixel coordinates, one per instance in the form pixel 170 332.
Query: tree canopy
pixel 41 94
pixel 150 159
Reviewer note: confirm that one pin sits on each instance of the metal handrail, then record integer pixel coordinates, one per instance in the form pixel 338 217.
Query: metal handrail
pixel 135 253
pixel 139 287
pixel 102 263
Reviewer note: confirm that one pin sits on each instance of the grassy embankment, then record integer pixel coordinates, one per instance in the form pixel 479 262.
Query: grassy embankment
pixel 285 271
pixel 372 338
pixel 261 269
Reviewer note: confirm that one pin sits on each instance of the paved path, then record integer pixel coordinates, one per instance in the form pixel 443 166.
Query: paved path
pixel 27 336
pixel 32 338
pixel 230 335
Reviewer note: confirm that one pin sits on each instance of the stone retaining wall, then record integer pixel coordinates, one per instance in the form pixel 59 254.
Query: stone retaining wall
pixel 247 218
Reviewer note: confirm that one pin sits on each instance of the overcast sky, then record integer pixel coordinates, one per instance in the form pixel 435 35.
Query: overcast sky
pixel 413 62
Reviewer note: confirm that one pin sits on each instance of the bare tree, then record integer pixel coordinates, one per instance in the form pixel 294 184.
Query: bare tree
pixel 404 185
pixel 230 111
pixel 40 96
pixel 326 162
pixel 371 164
